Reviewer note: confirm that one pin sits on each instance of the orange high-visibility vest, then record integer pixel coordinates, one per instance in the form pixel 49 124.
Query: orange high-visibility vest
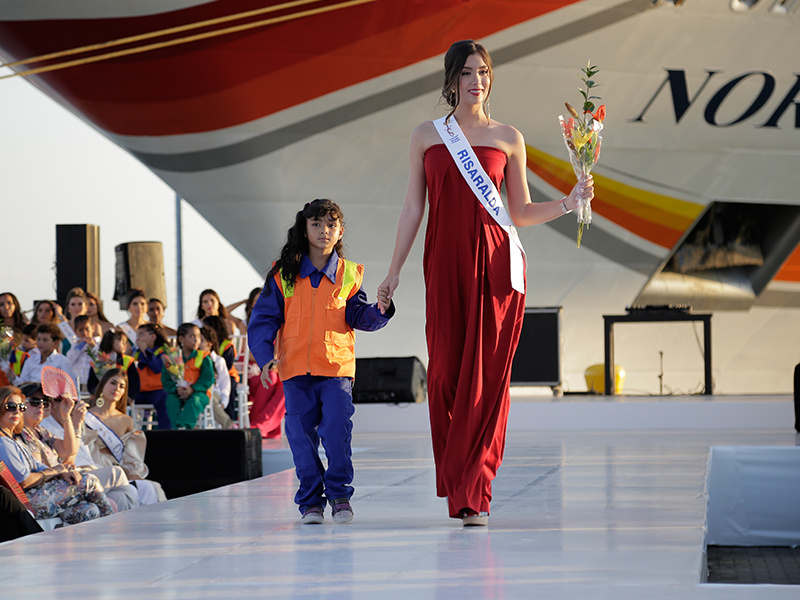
pixel 148 379
pixel 315 338
pixel 233 371
pixel 191 369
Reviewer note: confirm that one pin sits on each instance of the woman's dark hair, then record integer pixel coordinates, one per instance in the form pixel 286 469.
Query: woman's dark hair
pixel 156 330
pixel 20 320
pixel 51 304
pixel 251 302
pixel 123 401
pixel 223 312
pixel 133 294
pixel 296 245
pixel 211 336
pixel 218 325
pixel 5 394
pixel 454 61
pixel 101 317
pixel 109 337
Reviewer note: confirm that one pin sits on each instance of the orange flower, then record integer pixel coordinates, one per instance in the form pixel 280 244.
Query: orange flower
pixel 600 114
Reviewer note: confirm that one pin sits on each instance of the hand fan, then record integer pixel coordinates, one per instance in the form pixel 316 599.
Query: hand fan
pixel 56 382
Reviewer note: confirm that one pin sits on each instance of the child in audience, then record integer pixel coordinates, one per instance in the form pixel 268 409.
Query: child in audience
pixel 151 343
pixel 48 338
pixel 78 354
pixel 228 353
pixel 312 302
pixel 115 343
pixel 221 390
pixel 187 399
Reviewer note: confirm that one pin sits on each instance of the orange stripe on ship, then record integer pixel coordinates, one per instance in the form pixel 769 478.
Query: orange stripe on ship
pixel 657 218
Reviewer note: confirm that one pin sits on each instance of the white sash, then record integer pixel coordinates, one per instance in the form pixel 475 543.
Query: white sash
pixel 485 191
pixel 69 333
pixel 110 439
pixel 128 330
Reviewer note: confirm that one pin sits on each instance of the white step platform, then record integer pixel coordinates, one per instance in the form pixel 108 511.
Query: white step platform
pixel 596 509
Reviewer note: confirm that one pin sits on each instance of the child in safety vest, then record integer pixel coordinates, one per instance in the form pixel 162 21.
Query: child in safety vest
pixel 151 340
pixel 187 399
pixel 115 343
pixel 303 321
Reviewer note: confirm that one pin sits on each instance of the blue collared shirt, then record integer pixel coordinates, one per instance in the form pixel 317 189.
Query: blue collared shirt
pixel 268 313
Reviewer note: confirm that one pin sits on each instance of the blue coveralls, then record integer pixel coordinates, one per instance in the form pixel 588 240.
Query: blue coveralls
pixel 318 409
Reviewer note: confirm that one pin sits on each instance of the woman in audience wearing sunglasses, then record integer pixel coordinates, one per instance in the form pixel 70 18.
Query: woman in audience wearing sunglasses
pixel 53 491
pixel 43 445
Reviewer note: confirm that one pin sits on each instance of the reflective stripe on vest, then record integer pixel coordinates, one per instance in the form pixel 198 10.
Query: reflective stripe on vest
pixel 315 337
pixel 348 281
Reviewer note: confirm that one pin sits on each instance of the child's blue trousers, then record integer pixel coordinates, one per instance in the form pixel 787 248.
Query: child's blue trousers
pixel 320 409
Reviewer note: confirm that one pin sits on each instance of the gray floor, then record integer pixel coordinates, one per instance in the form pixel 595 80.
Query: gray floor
pixel 576 514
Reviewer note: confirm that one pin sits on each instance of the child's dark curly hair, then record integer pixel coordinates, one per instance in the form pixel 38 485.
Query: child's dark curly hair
pixel 296 245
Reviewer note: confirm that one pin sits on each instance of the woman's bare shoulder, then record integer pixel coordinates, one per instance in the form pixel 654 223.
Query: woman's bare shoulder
pixel 508 138
pixel 423 137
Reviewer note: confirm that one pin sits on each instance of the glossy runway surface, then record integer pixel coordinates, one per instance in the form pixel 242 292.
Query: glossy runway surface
pixel 576 514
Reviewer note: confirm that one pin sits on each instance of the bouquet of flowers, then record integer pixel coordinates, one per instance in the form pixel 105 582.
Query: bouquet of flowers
pixel 582 137
pixel 6 346
pixel 173 363
pixel 102 362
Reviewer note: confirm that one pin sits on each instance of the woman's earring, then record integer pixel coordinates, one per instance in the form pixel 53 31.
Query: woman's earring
pixel 487 109
pixel 100 402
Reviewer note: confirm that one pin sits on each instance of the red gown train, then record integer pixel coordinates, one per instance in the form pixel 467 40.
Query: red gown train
pixel 473 322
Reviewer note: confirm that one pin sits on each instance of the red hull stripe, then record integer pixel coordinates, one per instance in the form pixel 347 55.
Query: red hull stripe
pixel 230 80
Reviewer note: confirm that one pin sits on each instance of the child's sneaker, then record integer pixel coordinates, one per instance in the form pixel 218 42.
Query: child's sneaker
pixel 313 515
pixel 342 511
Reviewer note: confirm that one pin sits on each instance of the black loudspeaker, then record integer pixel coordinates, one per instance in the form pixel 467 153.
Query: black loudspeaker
pixel 77 259
pixel 139 265
pixel 538 357
pixel 193 461
pixel 391 380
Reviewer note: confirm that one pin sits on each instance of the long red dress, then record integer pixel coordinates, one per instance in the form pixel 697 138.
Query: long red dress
pixel 473 322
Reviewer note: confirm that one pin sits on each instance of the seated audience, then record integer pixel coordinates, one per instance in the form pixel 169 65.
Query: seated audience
pixel 52 491
pixel 137 308
pixel 94 308
pixel 155 311
pixel 151 343
pixel 115 344
pixel 11 312
pixel 58 430
pixel 187 399
pixel 112 438
pixel 48 337
pixel 221 390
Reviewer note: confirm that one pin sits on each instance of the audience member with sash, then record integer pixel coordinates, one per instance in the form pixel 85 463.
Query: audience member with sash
pixel 137 308
pixel 474 269
pixel 112 438
pixel 76 305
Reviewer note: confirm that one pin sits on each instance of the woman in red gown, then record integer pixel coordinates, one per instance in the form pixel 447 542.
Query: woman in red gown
pixel 473 315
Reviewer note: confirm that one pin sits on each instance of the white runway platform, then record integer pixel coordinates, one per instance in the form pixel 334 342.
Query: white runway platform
pixel 610 504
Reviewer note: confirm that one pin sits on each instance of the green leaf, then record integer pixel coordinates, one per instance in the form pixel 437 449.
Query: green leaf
pixel 588 107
